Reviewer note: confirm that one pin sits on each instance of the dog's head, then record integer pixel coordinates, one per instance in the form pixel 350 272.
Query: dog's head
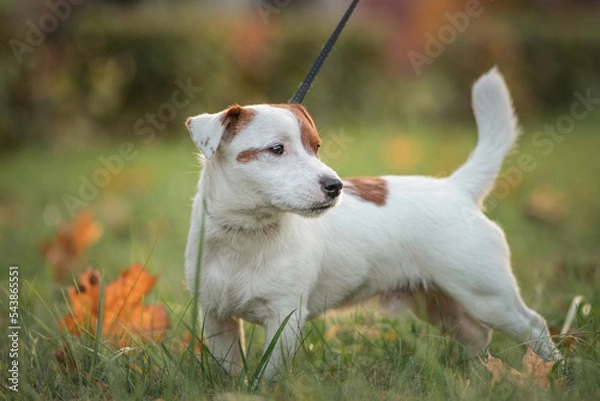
pixel 270 153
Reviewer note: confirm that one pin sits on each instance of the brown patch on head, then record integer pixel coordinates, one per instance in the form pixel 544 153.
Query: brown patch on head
pixel 370 189
pixel 234 120
pixel 248 155
pixel 308 130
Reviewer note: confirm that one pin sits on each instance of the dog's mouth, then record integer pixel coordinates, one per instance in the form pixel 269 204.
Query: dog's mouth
pixel 322 207
pixel 317 210
pixel 311 210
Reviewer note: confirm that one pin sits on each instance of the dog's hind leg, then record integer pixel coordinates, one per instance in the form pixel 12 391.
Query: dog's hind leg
pixel 496 302
pixel 442 312
pixel 449 316
pixel 510 315
pixel 474 269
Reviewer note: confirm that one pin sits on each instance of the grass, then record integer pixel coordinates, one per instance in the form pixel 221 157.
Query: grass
pixel 358 354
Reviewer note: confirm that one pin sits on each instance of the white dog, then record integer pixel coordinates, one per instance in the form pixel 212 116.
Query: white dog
pixel 271 251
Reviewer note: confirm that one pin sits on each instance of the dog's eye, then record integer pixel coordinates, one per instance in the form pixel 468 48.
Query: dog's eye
pixel 276 150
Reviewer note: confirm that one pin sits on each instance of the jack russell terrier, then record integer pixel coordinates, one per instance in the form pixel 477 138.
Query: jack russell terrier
pixel 285 237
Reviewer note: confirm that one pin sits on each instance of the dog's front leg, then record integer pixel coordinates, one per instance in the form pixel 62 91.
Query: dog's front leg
pixel 225 339
pixel 282 339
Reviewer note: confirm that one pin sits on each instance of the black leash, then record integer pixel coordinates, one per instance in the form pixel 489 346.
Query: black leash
pixel 312 74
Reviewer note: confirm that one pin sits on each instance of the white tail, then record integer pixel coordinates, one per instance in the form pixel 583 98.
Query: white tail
pixel 497 132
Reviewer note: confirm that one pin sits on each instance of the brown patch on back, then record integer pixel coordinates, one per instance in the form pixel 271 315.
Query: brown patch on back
pixel 234 120
pixel 308 130
pixel 248 155
pixel 370 189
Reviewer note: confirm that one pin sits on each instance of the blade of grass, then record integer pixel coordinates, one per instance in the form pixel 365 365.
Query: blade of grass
pixel 161 224
pixel 98 334
pixel 196 295
pixel 320 335
pixel 260 370
pixel 244 364
pixel 39 321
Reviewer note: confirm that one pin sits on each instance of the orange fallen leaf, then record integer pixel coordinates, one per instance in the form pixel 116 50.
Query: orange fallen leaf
pixel 125 317
pixel 569 340
pixel 535 370
pixel 64 252
pixel 500 370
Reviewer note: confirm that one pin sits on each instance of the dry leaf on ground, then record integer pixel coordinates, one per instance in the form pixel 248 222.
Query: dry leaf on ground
pixel 535 370
pixel 500 370
pixel 125 317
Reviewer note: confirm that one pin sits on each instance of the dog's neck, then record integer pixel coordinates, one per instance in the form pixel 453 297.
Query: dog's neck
pixel 234 214
pixel 240 221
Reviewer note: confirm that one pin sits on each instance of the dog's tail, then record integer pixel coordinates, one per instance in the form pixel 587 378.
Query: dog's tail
pixel 497 132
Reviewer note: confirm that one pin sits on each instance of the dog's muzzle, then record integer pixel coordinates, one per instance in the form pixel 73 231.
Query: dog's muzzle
pixel 331 186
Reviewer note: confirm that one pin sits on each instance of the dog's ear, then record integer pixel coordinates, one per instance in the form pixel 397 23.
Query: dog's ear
pixel 208 130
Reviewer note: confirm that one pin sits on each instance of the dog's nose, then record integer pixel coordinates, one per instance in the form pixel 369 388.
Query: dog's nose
pixel 331 186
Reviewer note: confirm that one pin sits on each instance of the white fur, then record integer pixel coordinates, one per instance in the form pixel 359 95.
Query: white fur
pixel 264 259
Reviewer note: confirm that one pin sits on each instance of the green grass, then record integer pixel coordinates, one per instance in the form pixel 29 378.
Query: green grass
pixel 145 214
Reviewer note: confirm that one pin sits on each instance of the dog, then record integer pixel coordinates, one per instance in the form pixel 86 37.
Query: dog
pixel 285 239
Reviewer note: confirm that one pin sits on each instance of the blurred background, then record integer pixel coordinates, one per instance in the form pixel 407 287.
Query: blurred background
pixel 93 96
pixel 78 70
